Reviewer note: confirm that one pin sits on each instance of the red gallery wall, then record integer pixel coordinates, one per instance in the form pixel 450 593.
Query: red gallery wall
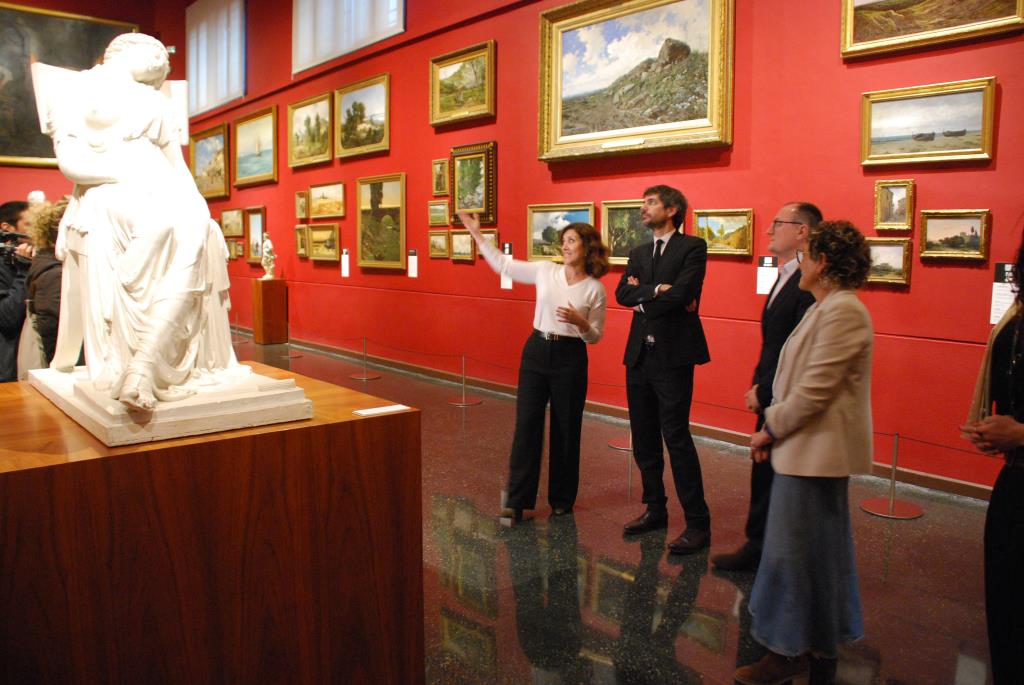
pixel 796 136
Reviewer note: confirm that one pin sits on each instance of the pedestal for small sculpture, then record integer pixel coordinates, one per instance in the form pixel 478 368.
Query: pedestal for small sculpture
pixel 269 311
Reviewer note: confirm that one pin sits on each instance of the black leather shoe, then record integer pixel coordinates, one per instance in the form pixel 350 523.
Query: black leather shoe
pixel 692 540
pixel 743 560
pixel 647 521
pixel 560 511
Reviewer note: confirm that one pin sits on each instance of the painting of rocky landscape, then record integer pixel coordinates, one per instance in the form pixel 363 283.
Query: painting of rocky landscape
pixel 882 19
pixel 645 69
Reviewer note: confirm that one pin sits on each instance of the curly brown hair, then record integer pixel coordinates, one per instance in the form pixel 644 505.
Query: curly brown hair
pixel 847 255
pixel 45 221
pixel 595 252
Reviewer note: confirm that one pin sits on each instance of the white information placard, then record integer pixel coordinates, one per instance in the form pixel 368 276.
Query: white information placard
pixel 767 272
pixel 413 270
pixel 506 281
pixel 1002 291
pixel 344 262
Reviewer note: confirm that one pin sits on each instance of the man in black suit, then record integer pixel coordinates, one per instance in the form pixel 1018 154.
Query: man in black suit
pixel 783 310
pixel 662 284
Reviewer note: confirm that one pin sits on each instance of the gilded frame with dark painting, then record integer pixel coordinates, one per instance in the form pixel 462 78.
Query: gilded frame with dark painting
pixel 380 237
pixel 621 228
pixel 474 181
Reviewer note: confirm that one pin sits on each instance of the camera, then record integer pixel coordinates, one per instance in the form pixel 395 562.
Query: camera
pixel 8 245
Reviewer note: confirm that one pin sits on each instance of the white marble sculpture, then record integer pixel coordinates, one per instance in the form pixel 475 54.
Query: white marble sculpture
pixel 145 282
pixel 269 257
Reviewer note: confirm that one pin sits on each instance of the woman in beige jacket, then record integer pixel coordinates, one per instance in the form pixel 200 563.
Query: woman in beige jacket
pixel 817 432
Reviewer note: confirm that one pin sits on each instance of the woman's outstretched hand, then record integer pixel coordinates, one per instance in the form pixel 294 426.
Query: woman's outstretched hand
pixel 472 224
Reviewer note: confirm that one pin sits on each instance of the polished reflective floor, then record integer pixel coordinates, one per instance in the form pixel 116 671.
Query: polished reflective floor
pixel 564 601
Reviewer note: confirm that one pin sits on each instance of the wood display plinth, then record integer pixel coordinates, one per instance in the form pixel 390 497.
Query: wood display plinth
pixel 269 311
pixel 289 553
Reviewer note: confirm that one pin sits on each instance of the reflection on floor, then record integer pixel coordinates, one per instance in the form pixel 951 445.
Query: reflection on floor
pixel 564 601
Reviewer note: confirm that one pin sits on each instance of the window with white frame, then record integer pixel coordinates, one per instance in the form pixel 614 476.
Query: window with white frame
pixel 216 53
pixel 325 29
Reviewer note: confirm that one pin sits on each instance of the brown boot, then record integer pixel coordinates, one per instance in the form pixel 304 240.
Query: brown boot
pixel 773 669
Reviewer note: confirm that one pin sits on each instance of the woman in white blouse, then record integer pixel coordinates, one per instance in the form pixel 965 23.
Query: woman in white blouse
pixel 568 316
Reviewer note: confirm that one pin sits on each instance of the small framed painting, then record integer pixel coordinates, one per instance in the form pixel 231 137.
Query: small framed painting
pixel 463 246
pixel 727 231
pixel 301 205
pixel 323 242
pixel 255 227
pixel 622 229
pixel 438 244
pixel 474 181
pixel 232 223
pixel 302 240
pixel 491 236
pixel 439 176
pixel 890 260
pixel 545 222
pixel 255 137
pixel 934 123
pixel 437 213
pixel 326 199
pixel 362 113
pixel 208 155
pixel 894 205
pixel 462 85
pixel 954 234
pixel 310 131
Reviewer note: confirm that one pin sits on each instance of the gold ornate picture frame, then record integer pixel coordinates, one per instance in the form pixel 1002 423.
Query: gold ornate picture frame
pixel 621 228
pixel 232 223
pixel 437 213
pixel 894 205
pixel 255 229
pixel 955 234
pixel 439 176
pixel 873 28
pixel 326 200
pixel 254 139
pixel 938 122
pixel 437 244
pixel 380 224
pixel 890 260
pixel 474 181
pixel 323 242
pixel 311 131
pixel 462 84
pixel 726 231
pixel 544 222
pixel 302 240
pixel 462 245
pixel 678 93
pixel 208 156
pixel 362 115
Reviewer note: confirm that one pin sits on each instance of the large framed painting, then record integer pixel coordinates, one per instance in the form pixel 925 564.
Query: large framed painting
pixel 380 227
pixel 462 85
pixel 870 27
pixel 545 222
pixel 890 260
pixel 638 75
pixel 934 123
pixel 208 156
pixel 255 137
pixel 474 181
pixel 727 231
pixel 255 227
pixel 362 112
pixel 326 199
pixel 954 234
pixel 622 229
pixel 894 205
pixel 310 131
pixel 56 38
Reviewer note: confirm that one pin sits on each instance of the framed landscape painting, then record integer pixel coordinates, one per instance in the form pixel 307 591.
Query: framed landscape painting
pixel 255 137
pixel 622 229
pixel 208 157
pixel 362 115
pixel 439 176
pixel 326 199
pixel 255 226
pixel 60 39
pixel 323 244
pixel 954 234
pixel 437 213
pixel 894 205
pixel 463 246
pixel 545 222
pixel 301 205
pixel 933 123
pixel 890 260
pixel 462 85
pixel 727 231
pixel 232 223
pixel 474 182
pixel 438 244
pixel 636 75
pixel 302 240
pixel 380 228
pixel 491 236
pixel 870 27
pixel 310 131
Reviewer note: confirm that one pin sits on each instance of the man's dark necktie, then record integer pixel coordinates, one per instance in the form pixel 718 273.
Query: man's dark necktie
pixel 658 244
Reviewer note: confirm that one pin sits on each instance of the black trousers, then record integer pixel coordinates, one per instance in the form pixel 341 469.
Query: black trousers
pixel 552 371
pixel 1004 576
pixel 761 475
pixel 659 407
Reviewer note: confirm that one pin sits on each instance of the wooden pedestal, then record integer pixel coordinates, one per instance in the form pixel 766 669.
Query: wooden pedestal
pixel 289 553
pixel 269 311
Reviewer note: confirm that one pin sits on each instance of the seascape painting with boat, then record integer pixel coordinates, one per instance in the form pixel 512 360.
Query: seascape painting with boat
pixel 933 123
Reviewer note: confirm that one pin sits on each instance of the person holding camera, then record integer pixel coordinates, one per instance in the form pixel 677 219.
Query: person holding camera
pixel 15 258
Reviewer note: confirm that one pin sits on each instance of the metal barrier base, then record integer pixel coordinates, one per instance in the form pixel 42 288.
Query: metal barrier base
pixel 894 509
pixel 624 444
pixel 465 401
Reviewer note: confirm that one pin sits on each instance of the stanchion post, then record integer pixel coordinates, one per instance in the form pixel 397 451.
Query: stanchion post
pixel 465 400
pixel 235 338
pixel 890 507
pixel 625 444
pixel 365 375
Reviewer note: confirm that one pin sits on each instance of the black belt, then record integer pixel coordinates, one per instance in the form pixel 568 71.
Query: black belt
pixel 554 337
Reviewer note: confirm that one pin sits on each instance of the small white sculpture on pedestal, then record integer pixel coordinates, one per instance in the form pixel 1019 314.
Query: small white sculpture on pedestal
pixel 269 257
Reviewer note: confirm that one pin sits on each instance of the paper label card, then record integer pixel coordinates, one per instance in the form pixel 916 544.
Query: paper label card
pixel 767 272
pixel 1002 291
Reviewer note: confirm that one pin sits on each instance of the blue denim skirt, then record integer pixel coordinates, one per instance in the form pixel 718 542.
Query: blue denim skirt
pixel 805 597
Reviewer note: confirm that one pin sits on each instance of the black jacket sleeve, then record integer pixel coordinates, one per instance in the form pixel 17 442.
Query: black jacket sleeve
pixel 686 287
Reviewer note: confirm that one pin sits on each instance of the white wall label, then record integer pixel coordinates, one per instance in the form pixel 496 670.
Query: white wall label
pixel 1002 291
pixel 344 262
pixel 506 282
pixel 767 272
pixel 413 269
